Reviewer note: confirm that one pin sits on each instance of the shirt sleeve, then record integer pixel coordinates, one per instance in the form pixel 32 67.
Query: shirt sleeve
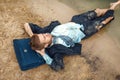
pixel 47 59
pixel 35 28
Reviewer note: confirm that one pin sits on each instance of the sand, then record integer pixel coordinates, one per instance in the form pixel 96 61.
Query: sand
pixel 93 64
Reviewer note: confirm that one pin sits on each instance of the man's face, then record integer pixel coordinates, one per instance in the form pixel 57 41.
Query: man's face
pixel 45 38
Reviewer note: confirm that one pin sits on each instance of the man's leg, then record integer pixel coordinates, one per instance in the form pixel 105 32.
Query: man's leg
pixel 107 20
pixel 104 16
pixel 84 17
pixel 88 16
pixel 100 12
pixel 114 5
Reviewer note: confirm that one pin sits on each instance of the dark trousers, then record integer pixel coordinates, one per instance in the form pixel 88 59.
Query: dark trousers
pixel 90 20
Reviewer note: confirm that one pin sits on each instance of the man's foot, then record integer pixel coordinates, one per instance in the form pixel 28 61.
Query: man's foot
pixel 114 5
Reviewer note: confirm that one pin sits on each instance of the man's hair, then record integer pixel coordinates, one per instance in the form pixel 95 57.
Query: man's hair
pixel 35 43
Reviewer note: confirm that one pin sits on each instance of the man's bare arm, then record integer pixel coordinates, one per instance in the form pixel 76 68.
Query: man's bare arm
pixel 28 29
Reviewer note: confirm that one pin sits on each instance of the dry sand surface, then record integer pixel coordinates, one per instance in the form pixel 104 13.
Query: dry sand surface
pixel 91 65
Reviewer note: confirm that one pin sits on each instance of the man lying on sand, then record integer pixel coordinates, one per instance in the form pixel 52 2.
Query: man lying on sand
pixel 57 40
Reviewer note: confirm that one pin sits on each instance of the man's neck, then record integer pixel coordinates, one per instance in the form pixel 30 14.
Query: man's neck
pixel 51 42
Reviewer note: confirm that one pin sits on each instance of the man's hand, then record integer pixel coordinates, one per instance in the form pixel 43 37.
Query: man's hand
pixel 28 29
pixel 42 52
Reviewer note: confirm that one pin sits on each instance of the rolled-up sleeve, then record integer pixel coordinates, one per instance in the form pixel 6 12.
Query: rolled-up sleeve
pixel 47 59
pixel 35 28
